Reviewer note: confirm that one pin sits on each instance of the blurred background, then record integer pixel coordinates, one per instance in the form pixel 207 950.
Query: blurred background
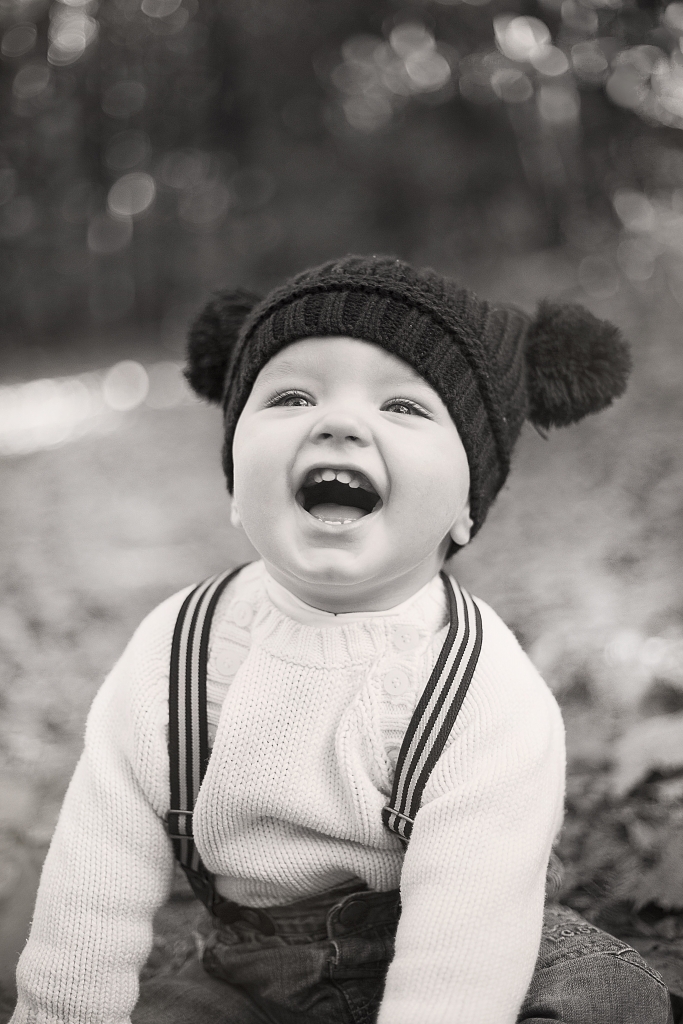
pixel 153 150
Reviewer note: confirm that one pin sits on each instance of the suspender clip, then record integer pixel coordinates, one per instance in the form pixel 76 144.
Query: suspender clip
pixel 173 825
pixel 404 817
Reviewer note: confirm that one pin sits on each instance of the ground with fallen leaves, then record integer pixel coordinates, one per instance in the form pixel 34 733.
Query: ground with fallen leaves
pixel 582 556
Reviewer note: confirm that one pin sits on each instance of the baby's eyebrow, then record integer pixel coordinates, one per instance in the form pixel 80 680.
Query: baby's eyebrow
pixel 413 376
pixel 406 375
pixel 397 377
pixel 271 370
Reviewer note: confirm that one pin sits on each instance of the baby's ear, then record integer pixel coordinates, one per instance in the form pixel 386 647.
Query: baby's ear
pixel 211 340
pixel 576 364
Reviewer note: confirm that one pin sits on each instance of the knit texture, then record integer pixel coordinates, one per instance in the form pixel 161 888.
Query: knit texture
pixel 305 736
pixel 493 366
pixel 467 350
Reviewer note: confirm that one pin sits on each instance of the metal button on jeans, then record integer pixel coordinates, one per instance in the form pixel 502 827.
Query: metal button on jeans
pixel 352 913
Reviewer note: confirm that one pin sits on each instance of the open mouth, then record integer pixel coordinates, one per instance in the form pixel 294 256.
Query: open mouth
pixel 337 496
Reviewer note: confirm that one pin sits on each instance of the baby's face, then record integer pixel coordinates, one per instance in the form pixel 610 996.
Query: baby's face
pixel 350 475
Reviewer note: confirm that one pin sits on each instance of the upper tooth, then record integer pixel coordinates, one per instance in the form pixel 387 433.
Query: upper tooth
pixel 344 476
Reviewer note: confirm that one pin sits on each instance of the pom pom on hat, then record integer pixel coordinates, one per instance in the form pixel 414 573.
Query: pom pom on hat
pixel 212 338
pixel 576 364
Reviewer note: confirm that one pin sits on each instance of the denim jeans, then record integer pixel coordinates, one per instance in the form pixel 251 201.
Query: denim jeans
pixel 324 960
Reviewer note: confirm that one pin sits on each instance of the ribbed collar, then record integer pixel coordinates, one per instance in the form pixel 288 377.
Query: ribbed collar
pixel 290 630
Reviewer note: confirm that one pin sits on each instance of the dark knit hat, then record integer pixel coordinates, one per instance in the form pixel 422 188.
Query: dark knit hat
pixel 493 366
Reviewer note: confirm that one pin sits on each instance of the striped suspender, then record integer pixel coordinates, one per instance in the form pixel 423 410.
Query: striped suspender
pixel 436 711
pixel 188 738
pixel 188 741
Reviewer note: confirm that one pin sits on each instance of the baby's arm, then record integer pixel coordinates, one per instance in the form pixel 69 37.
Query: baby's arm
pixel 473 880
pixel 110 863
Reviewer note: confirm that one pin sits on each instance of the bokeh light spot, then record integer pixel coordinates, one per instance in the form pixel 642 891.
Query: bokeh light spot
pixel 578 17
pixel 186 168
pixel 18 40
pixel 521 38
pixel 511 85
pixel 71 31
pixel 475 77
pixel 428 69
pixel 159 8
pixel 626 88
pixel 367 113
pixel 359 49
pixel 31 81
pixel 589 61
pixel 409 38
pixel 551 62
pixel 44 413
pixel 634 210
pixel 131 195
pixel 41 414
pixel 125 386
pixel 204 207
pixel 673 17
pixel 636 258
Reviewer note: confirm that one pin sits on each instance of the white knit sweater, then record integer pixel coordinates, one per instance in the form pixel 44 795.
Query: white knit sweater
pixel 306 736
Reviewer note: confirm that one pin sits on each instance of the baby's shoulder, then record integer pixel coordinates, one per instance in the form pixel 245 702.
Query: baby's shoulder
pixel 509 721
pixel 506 686
pixel 155 633
pixel 146 660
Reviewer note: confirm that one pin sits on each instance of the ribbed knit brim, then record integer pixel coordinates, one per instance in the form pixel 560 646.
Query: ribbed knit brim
pixel 467 350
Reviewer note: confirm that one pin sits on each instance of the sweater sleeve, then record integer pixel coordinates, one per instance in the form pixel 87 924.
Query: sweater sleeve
pixel 473 880
pixel 110 863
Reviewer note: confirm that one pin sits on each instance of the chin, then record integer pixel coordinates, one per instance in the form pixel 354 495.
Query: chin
pixel 338 571
pixel 334 566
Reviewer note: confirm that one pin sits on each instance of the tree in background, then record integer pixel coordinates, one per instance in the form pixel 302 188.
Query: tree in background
pixel 151 149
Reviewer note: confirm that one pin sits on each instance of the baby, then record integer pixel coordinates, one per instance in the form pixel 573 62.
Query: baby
pixel 381 766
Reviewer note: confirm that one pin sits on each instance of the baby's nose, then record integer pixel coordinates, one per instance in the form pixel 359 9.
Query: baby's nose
pixel 341 425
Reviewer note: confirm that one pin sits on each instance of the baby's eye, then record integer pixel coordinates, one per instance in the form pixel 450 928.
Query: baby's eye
pixel 404 406
pixel 296 399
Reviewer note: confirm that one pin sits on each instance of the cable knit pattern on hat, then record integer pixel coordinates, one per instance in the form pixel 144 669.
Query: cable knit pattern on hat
pixel 306 714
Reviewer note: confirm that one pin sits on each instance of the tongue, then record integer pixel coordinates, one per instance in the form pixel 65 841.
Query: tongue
pixel 336 513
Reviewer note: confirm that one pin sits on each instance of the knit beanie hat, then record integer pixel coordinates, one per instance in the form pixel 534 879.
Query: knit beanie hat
pixel 493 366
